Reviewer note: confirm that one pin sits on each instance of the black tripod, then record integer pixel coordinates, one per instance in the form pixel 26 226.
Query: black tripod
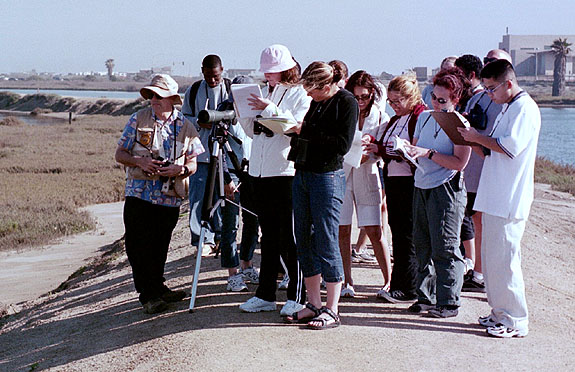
pixel 219 146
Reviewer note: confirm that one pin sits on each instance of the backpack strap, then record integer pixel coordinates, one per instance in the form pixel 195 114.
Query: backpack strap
pixel 193 95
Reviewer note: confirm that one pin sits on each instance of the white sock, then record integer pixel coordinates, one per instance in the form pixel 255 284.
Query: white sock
pixel 478 276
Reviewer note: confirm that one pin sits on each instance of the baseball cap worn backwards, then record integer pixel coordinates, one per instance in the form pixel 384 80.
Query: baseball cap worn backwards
pixel 276 58
pixel 164 86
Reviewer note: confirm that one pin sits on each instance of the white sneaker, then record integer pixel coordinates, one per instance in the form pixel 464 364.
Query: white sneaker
pixel 347 291
pixel 250 275
pixel 502 331
pixel 284 283
pixel 255 304
pixel 236 283
pixel 487 321
pixel 291 307
pixel 362 256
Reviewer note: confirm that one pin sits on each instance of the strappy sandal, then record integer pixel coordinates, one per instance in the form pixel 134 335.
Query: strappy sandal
pixel 294 318
pixel 325 322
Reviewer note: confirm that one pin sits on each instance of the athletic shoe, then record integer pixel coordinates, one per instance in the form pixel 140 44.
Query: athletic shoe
pixel 443 312
pixel 323 285
pixel 250 275
pixel 236 283
pixel 395 297
pixel 255 304
pixel 157 305
pixel 173 296
pixel 362 256
pixel 420 307
pixel 284 283
pixel 291 307
pixel 347 291
pixel 487 321
pixel 502 331
pixel 470 284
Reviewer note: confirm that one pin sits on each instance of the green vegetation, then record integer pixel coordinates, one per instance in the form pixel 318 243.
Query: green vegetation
pixel 48 171
pixel 561 177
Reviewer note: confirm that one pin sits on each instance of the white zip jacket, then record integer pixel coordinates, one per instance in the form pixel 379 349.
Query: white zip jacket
pixel 269 154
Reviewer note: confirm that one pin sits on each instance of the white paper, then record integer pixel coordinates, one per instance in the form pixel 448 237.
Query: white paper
pixel 353 157
pixel 399 146
pixel 241 93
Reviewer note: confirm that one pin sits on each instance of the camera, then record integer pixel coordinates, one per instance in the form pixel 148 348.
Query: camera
pixel 477 117
pixel 165 163
pixel 298 151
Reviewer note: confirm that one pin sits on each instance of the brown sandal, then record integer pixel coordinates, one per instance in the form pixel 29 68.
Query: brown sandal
pixel 325 322
pixel 294 318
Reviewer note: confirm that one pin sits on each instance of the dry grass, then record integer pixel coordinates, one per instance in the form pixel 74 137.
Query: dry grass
pixel 561 177
pixel 48 171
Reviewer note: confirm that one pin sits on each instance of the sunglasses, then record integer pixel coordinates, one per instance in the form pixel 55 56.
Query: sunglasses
pixel 398 102
pixel 156 96
pixel 441 101
pixel 492 90
pixel 363 97
pixel 486 60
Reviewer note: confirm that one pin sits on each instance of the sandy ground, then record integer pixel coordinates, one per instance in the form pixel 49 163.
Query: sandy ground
pixel 97 323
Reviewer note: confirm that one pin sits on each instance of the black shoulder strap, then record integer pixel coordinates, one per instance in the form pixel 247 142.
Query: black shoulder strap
pixel 193 95
pixel 228 84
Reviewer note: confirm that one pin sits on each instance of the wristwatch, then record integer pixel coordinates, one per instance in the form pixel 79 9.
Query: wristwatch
pixel 186 171
pixel 431 153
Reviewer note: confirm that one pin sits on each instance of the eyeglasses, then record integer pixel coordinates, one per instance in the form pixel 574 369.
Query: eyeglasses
pixel 486 60
pixel 398 102
pixel 492 90
pixel 363 97
pixel 441 101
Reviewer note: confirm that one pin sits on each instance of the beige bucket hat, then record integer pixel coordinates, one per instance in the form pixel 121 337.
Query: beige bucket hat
pixel 164 86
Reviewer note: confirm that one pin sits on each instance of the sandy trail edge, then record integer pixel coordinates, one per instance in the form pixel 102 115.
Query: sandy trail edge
pixel 26 275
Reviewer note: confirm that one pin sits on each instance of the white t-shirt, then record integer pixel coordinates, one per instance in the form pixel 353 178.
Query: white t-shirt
pixel 506 183
pixel 400 129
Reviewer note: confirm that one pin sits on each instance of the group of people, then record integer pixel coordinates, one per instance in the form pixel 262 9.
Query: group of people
pixel 456 211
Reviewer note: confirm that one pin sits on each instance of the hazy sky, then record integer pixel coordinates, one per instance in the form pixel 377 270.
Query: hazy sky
pixel 375 35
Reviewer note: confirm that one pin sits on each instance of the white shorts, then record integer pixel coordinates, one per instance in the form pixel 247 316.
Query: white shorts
pixel 367 215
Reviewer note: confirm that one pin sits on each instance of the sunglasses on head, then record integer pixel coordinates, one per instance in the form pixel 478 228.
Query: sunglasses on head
pixel 486 60
pixel 441 101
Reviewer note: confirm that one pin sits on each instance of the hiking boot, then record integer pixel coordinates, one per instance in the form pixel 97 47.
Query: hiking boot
pixel 236 283
pixel 502 331
pixel 444 311
pixel 173 296
pixel 347 291
pixel 250 275
pixel 362 256
pixel 290 308
pixel 284 283
pixel 395 297
pixel 420 307
pixel 157 305
pixel 470 284
pixel 487 321
pixel 255 304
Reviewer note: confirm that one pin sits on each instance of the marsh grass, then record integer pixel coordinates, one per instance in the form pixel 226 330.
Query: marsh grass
pixel 561 177
pixel 47 172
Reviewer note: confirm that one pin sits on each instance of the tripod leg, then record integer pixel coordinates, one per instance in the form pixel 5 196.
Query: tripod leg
pixel 197 268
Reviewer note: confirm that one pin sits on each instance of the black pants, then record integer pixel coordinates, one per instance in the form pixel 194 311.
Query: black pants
pixel 273 201
pixel 148 233
pixel 399 193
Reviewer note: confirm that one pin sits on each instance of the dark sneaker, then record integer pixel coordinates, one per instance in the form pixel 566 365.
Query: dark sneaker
pixel 420 307
pixel 470 284
pixel 395 296
pixel 173 296
pixel 155 306
pixel 443 312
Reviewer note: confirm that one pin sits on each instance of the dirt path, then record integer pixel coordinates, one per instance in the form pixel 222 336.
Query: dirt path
pixel 97 323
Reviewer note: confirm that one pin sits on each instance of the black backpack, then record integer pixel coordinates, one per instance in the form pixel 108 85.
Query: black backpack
pixel 194 93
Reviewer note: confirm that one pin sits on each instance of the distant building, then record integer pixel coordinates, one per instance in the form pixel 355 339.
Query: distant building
pixel 421 73
pixel 532 55
pixel 233 72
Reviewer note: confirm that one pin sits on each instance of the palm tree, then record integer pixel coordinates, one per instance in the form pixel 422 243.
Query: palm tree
pixel 110 66
pixel 560 48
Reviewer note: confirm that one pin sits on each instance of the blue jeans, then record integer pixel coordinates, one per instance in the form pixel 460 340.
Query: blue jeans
pixel 317 201
pixel 230 223
pixel 197 188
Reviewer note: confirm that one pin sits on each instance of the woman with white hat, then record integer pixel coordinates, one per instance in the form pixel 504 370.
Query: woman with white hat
pixel 158 148
pixel 273 175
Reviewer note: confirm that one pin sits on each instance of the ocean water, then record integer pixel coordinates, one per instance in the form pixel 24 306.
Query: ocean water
pixel 78 93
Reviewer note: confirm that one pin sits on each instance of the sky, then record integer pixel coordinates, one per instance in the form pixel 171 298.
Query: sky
pixel 61 36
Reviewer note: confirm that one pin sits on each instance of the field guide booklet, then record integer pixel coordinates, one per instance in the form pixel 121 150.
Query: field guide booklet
pixel 449 122
pixel 241 93
pixel 399 147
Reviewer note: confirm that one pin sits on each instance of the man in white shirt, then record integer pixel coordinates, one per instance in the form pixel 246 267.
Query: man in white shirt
pixel 504 195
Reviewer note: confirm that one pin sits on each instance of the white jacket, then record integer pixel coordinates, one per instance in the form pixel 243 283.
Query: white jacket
pixel 269 154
